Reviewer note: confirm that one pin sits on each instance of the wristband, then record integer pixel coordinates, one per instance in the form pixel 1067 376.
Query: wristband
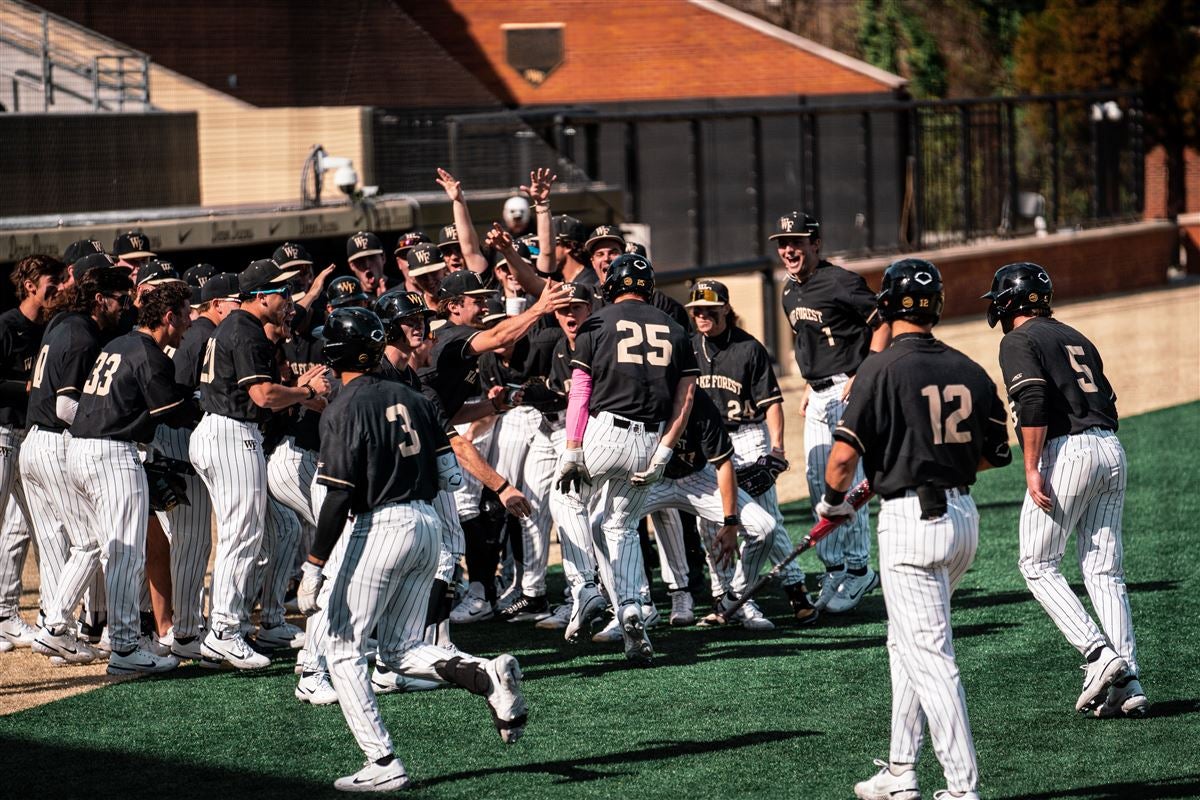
pixel 500 489
pixel 734 520
pixel 833 496
pixel 541 206
pixel 311 391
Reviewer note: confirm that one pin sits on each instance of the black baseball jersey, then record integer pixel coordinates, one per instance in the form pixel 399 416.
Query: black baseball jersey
pixel 636 355
pixel 832 314
pixel 68 352
pixel 238 356
pixel 534 353
pixel 558 378
pixel 408 376
pixel 704 440
pixel 672 308
pixel 923 413
pixel 189 356
pixel 736 372
pixel 302 352
pixel 20 338
pixel 453 371
pixel 380 441
pixel 1055 378
pixel 129 391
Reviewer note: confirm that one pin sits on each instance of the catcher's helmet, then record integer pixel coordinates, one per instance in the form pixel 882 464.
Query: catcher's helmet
pixel 628 274
pixel 399 304
pixel 353 339
pixel 1023 286
pixel 912 289
pixel 346 289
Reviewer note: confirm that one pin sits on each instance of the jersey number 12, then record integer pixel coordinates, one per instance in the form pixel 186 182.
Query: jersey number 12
pixel 948 432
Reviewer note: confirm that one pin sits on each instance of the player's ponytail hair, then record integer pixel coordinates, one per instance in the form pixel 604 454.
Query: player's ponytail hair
pixel 160 301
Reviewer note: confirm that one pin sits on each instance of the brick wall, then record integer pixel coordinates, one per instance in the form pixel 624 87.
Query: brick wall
pixel 1189 236
pixel 1156 182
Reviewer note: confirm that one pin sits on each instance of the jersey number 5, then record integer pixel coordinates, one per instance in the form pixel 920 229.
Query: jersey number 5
pixel 1085 372
pixel 100 381
pixel 658 346
pixel 399 413
pixel 948 432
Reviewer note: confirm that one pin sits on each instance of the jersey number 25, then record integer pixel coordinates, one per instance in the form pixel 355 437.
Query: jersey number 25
pixel 658 347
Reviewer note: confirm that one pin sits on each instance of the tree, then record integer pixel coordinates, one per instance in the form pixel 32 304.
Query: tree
pixel 894 38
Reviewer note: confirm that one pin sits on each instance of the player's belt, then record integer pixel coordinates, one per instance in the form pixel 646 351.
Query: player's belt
pixel 628 424
pixel 913 492
pixel 826 383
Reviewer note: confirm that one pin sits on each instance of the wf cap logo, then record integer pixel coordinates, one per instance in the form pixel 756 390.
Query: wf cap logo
pixel 346 287
pixel 360 241
pixel 787 224
pixel 423 256
pixel 291 251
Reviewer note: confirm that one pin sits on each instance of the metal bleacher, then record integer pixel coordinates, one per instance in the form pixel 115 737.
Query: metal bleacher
pixel 50 64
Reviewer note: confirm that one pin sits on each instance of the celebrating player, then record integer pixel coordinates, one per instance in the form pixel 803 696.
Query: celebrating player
pixel 923 419
pixel 1075 471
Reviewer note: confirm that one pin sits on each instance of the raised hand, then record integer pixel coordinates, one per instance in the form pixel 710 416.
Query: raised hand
pixel 540 181
pixel 451 184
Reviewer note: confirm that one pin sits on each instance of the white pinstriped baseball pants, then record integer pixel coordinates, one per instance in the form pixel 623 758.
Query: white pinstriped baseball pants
pixel 273 569
pixel 227 454
pixel 15 528
pixel 851 543
pixel 468 496
pixel 111 482
pixel 921 562
pixel 290 473
pixel 379 576
pixel 189 530
pixel 526 457
pixel 1085 476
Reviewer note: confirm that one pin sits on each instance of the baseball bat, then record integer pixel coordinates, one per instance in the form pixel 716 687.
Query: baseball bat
pixel 856 497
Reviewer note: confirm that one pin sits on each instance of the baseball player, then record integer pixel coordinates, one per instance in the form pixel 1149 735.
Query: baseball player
pixel 632 383
pixel 130 390
pixel 87 312
pixel 132 250
pixel 384 458
pixel 458 241
pixel 736 373
pixel 923 419
pixel 426 270
pixel 605 245
pixel 188 526
pixel 832 313
pixel 36 280
pixel 364 256
pixel 240 387
pixel 404 244
pixel 1075 470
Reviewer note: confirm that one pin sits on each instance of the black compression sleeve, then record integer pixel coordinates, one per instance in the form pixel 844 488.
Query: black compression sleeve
pixel 1032 403
pixel 334 512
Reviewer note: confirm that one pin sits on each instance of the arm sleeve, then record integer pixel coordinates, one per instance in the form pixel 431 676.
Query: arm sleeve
pixel 577 405
pixel 995 433
pixel 65 408
pixel 332 520
pixel 254 362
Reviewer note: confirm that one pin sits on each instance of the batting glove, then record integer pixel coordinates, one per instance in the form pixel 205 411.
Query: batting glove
pixel 572 473
pixel 653 473
pixel 311 580
pixel 827 510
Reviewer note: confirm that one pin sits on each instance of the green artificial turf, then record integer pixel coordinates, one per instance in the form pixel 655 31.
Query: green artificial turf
pixel 724 713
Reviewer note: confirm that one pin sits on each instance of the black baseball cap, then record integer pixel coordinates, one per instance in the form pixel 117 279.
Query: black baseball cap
pixel 448 235
pixel 156 271
pixel 362 244
pixel 580 293
pixel 708 293
pixel 199 274
pixel 133 244
pixel 605 234
pixel 408 240
pixel 81 248
pixel 461 283
pixel 220 287
pixel 90 262
pixel 569 229
pixel 344 290
pixel 496 309
pixel 423 259
pixel 264 275
pixel 291 254
pixel 796 224
pixel 636 249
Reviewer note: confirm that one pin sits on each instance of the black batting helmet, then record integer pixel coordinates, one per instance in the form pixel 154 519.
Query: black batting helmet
pixel 345 290
pixel 628 274
pixel 400 304
pixel 1023 286
pixel 353 339
pixel 911 289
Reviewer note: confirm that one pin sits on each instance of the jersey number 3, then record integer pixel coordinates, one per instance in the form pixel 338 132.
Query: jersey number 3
pixel 948 432
pixel 633 335
pixel 399 413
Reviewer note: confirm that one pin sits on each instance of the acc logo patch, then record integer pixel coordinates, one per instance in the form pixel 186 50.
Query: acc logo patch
pixel 1033 297
pixel 628 281
pixel 907 302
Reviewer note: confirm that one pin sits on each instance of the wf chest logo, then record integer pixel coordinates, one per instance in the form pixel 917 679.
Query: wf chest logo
pixel 251 445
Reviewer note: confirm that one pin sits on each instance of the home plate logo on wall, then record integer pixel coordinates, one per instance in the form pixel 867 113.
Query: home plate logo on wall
pixel 534 50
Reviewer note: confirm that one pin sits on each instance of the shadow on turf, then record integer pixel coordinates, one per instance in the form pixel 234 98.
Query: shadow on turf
pixel 977 598
pixel 584 769
pixel 1163 789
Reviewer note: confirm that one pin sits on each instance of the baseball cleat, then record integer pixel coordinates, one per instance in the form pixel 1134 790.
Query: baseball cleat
pixel 586 605
pixel 637 644
pixel 1098 675
pixel 505 699
pixel 473 608
pixel 6 646
pixel 1125 699
pixel 187 648
pixel 140 660
pixel 886 785
pixel 17 631
pixel 159 646
pixel 232 650
pixel 802 607
pixel 650 615
pixel 683 609
pixel 851 591
pixel 557 620
pixel 830 582
pixel 385 680
pixel 281 637
pixel 609 633
pixel 375 778
pixel 752 618
pixel 946 794
pixel 63 645
pixel 314 688
pixel 525 609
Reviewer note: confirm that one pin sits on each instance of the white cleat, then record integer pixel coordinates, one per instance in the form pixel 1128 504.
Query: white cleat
pixel 752 618
pixel 64 645
pixel 884 785
pixel 17 631
pixel 281 637
pixel 637 644
pixel 375 778
pixel 1098 675
pixel 586 605
pixel 830 582
pixel 385 680
pixel 609 633
pixel 187 650
pixel 505 699
pixel 946 794
pixel 1125 699
pixel 233 651
pixel 683 609
pixel 314 688
pixel 140 660
pixel 473 608
pixel 557 620
pixel 851 591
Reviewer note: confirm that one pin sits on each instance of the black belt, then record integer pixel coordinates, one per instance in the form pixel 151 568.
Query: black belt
pixel 903 492
pixel 825 383
pixel 621 423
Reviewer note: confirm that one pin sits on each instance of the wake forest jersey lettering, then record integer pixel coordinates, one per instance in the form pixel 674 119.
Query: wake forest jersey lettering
pixel 1046 358
pixel 832 315
pixel 923 413
pixel 736 372
pixel 636 355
